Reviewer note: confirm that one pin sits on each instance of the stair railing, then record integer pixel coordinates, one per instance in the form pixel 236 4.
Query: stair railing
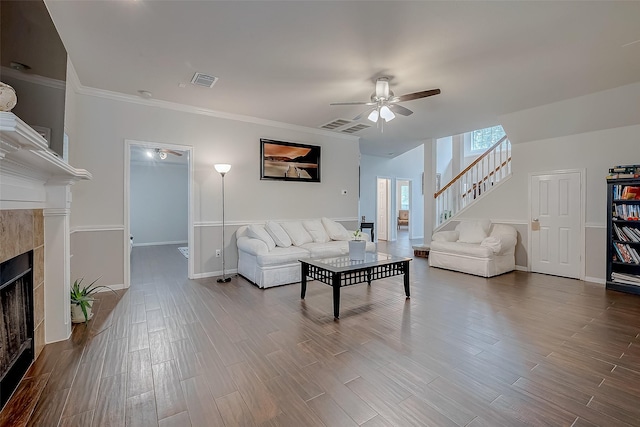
pixel 474 181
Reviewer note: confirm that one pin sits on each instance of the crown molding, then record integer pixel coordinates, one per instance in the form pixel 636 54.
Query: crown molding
pixel 117 96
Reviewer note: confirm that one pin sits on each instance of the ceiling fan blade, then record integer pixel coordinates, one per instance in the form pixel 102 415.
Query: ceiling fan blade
pixel 353 103
pixel 400 109
pixel 416 95
pixel 363 114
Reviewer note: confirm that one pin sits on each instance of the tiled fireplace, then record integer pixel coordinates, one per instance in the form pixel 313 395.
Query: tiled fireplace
pixel 22 231
pixel 16 321
pixel 35 205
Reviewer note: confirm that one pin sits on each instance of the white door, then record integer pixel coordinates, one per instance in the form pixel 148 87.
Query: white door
pixel 556 224
pixel 383 209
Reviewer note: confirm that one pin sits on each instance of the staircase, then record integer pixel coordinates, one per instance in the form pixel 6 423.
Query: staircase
pixel 477 179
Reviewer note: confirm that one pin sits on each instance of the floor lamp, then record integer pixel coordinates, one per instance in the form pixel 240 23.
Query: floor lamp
pixel 222 170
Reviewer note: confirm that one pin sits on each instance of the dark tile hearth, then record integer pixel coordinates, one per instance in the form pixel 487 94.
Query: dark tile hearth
pixel 517 349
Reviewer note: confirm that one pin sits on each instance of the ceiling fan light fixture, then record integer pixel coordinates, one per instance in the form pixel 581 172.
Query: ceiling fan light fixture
pixel 162 155
pixel 382 88
pixel 374 116
pixel 386 113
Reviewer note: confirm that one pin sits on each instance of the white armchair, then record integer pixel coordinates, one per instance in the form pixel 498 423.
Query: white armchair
pixel 475 247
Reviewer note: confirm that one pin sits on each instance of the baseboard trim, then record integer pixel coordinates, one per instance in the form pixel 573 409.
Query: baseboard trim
pixel 597 280
pixel 213 274
pixel 182 242
pixel 522 268
pixel 115 287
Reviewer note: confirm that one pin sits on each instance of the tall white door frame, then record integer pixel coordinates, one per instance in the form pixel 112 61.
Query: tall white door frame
pixel 387 209
pixel 581 217
pixel 398 198
pixel 127 194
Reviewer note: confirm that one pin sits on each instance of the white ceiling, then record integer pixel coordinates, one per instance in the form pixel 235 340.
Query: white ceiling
pixel 286 61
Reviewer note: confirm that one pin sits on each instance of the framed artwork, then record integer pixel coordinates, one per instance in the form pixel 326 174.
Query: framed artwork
pixel 288 161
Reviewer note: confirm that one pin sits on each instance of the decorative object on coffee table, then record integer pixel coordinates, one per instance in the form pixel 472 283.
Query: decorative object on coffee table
pixel 357 247
pixel 222 169
pixel 8 98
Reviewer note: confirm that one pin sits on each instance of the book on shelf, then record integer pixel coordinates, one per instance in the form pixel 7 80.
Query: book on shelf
pixel 626 212
pixel 626 278
pixel 627 254
pixel 631 233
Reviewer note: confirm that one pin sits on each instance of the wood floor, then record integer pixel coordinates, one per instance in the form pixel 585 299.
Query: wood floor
pixel 519 349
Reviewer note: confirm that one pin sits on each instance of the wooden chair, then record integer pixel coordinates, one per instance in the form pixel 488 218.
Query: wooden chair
pixel 403 218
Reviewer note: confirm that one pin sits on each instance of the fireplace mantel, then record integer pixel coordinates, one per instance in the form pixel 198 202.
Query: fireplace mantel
pixel 26 162
pixel 34 177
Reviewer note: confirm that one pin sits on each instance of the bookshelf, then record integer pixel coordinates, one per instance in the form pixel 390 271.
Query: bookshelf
pixel 623 235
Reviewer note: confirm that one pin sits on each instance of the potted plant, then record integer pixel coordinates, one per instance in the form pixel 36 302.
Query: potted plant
pixel 357 247
pixel 82 299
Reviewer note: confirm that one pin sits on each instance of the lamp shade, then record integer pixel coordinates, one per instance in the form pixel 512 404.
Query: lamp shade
pixel 222 168
pixel 386 113
pixel 373 116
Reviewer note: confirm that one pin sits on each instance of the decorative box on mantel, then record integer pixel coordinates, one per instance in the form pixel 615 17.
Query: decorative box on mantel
pixel 33 178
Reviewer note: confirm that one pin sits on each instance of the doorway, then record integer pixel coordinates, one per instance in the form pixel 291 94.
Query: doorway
pixel 403 208
pixel 383 208
pixel 557 223
pixel 158 199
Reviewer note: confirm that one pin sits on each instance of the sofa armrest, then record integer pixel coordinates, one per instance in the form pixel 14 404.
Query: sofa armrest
pixel 501 244
pixel 445 236
pixel 252 246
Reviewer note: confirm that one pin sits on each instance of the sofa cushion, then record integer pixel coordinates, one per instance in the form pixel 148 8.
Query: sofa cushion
pixel 458 248
pixel 297 233
pixel 316 230
pixel 335 230
pixel 329 249
pixel 277 233
pixel 446 236
pixel 281 256
pixel 258 232
pixel 473 231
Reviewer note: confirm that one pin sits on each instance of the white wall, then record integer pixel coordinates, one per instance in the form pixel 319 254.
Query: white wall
pixel 104 123
pixel 159 202
pixel 444 149
pixel 595 152
pixel 409 165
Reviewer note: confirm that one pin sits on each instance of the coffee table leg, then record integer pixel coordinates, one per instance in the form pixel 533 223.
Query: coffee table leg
pixel 406 278
pixel 336 295
pixel 303 282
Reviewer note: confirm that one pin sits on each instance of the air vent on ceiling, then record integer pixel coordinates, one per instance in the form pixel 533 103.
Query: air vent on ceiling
pixel 335 124
pixel 356 128
pixel 204 80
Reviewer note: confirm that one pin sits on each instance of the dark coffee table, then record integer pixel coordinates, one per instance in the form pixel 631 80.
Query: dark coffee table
pixel 341 271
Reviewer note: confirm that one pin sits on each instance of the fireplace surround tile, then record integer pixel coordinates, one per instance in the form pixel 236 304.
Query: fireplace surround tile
pixel 22 230
pixel 38 228
pixel 38 266
pixel 38 305
pixel 16 233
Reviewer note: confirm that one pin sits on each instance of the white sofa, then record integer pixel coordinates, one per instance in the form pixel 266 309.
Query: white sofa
pixel 475 247
pixel 268 255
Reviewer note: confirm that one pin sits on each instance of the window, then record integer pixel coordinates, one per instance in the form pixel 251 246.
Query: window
pixel 404 197
pixel 482 139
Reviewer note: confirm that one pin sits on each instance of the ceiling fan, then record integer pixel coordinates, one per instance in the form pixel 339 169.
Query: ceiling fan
pixel 162 153
pixel 385 103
